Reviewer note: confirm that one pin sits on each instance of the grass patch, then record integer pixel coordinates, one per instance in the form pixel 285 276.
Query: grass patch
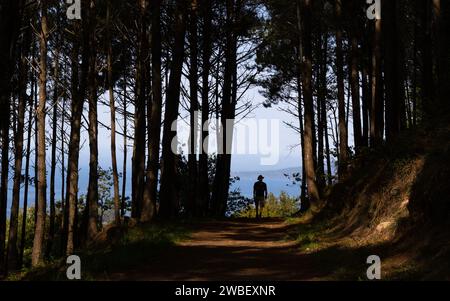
pixel 136 247
pixel 308 242
pixel 306 235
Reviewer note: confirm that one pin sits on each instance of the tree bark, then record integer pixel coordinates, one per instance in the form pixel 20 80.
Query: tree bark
pixel 343 134
pixel 204 193
pixel 125 147
pixel 78 91
pixel 321 107
pixel 51 230
pixel 150 191
pixel 395 92
pixel 169 198
pixel 38 242
pixel 376 111
pixel 13 254
pixel 138 172
pixel 355 87
pixel 9 26
pixel 112 106
pixel 222 178
pixel 92 195
pixel 304 11
pixel 193 110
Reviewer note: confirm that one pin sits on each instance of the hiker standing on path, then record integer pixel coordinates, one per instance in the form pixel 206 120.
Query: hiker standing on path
pixel 259 195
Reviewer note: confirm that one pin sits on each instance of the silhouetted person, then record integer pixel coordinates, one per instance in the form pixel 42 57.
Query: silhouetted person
pixel 259 195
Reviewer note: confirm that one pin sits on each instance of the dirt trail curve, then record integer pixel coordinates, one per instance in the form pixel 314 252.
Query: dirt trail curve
pixel 231 250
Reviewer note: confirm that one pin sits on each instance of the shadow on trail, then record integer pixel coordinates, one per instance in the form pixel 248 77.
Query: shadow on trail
pixel 246 250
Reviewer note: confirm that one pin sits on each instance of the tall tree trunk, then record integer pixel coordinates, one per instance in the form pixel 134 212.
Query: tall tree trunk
pixel 51 233
pixel 323 134
pixel 355 88
pixel 36 257
pixel 92 195
pixel 424 8
pixel 343 134
pixel 13 255
pixel 125 147
pixel 9 26
pixel 112 106
pixel 150 191
pixel 303 193
pixel 414 93
pixel 395 92
pixel 327 152
pixel 304 16
pixel 365 87
pixel 78 91
pixel 63 162
pixel 138 173
pixel 204 138
pixel 27 177
pixel 222 177
pixel 440 28
pixel 376 111
pixel 193 110
pixel 4 178
pixel 36 146
pixel 169 198
pixel 321 110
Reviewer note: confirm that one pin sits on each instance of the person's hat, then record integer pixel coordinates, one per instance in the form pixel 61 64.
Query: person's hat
pixel 260 177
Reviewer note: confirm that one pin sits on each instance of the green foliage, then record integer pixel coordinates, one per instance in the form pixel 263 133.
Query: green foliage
pixel 105 197
pixel 237 203
pixel 283 206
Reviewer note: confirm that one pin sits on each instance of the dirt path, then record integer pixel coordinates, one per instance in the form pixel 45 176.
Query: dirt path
pixel 232 250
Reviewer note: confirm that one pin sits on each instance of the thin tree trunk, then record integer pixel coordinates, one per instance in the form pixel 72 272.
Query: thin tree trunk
pixel 376 111
pixel 427 57
pixel 150 190
pixel 222 177
pixel 92 195
pixel 37 253
pixel 327 152
pixel 323 107
pixel 27 177
pixel 395 93
pixel 36 145
pixel 169 198
pixel 441 24
pixel 63 167
pixel 321 99
pixel 204 141
pixel 193 83
pixel 78 97
pixel 355 88
pixel 125 147
pixel 343 134
pixel 365 106
pixel 9 26
pixel 304 17
pixel 302 136
pixel 139 124
pixel 4 183
pixel 112 106
pixel 51 234
pixel 13 255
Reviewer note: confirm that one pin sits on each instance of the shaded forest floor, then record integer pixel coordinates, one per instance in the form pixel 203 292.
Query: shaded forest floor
pixel 243 249
pixel 270 249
